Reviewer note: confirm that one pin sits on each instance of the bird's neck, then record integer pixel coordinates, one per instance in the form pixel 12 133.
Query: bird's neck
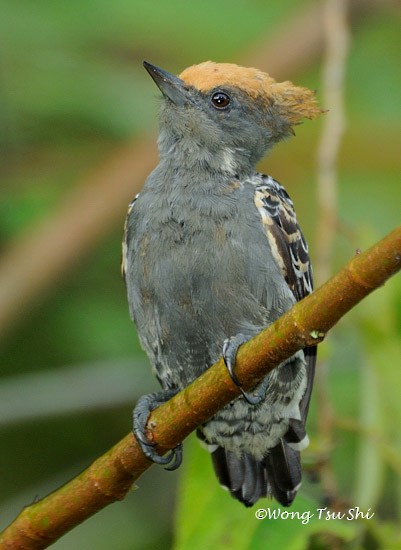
pixel 186 154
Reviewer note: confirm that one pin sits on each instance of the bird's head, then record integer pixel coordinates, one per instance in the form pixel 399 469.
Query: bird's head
pixel 225 116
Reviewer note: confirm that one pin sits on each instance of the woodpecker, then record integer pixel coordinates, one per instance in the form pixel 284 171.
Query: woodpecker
pixel 212 254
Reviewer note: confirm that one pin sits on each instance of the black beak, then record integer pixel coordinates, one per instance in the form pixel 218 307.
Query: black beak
pixel 170 85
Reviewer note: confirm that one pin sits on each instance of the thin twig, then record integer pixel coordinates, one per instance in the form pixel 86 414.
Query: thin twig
pixel 334 69
pixel 337 40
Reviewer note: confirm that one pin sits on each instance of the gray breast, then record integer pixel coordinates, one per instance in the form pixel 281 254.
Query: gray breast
pixel 199 270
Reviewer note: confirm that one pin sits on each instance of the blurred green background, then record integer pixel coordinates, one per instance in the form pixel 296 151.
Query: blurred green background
pixel 78 122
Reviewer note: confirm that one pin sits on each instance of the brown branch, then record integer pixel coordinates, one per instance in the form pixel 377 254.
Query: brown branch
pixel 109 478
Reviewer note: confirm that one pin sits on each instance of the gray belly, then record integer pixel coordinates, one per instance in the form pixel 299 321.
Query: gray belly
pixel 193 290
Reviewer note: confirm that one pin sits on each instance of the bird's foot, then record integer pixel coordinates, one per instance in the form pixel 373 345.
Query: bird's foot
pixel 146 404
pixel 230 349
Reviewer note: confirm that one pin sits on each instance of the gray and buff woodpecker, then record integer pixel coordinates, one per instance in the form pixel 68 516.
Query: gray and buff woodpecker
pixel 212 254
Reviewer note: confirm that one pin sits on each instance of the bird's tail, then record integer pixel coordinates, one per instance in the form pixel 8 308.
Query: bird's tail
pixel 278 474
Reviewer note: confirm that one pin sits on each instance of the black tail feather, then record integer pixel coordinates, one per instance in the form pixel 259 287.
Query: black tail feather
pixel 220 467
pixel 247 479
pixel 236 471
pixel 283 467
pixel 296 433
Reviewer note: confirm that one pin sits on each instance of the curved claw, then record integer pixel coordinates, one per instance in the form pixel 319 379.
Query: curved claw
pixel 230 349
pixel 145 405
pixel 175 457
pixel 256 398
pixel 156 458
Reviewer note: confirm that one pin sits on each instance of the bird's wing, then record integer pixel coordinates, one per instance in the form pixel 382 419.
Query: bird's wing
pixel 124 251
pixel 290 251
pixel 287 243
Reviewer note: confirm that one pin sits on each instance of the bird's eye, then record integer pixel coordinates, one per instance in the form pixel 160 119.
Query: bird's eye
pixel 220 100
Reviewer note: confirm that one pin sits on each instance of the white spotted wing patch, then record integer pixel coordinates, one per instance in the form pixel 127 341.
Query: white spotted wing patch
pixel 284 235
pixel 291 254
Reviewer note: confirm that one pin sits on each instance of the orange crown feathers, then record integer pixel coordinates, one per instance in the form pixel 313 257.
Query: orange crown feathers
pixel 292 103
